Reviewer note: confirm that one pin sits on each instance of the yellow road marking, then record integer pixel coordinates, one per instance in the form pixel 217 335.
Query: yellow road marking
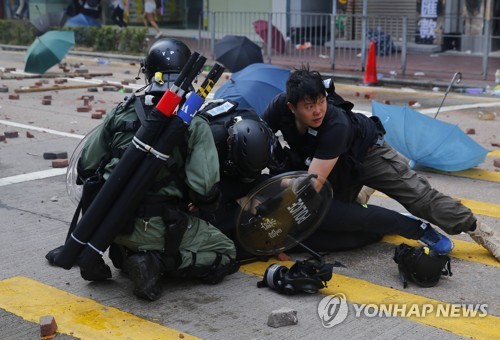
pixel 77 316
pixel 364 292
pixel 484 175
pixel 495 153
pixel 477 207
pixel 463 250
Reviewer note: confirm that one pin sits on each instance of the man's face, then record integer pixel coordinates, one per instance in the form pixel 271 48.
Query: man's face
pixel 309 113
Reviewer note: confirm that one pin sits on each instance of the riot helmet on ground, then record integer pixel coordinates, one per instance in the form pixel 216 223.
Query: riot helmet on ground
pixel 164 62
pixel 250 147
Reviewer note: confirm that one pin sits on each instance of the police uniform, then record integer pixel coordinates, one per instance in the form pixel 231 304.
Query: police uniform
pixel 196 170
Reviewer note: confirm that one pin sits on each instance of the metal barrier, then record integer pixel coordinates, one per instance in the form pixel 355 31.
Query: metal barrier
pixel 313 38
pixel 341 42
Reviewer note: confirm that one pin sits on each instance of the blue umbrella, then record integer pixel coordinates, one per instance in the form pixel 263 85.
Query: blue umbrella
pixel 82 20
pixel 426 141
pixel 254 86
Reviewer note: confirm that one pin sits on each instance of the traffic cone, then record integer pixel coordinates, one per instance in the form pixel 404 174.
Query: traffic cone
pixel 371 66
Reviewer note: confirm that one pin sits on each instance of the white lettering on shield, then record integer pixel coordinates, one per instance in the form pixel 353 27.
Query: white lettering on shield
pixel 299 211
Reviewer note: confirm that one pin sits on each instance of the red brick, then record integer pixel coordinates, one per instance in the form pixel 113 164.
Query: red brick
pixel 47 97
pixel 38 84
pixel 2 138
pixel 60 163
pixel 470 131
pixel 496 162
pixel 412 102
pixel 385 101
pixel 46 102
pixel 13 96
pixel 48 326
pixel 96 116
pixel 11 134
pixel 29 135
pixel 497 144
pixel 83 109
pixel 101 111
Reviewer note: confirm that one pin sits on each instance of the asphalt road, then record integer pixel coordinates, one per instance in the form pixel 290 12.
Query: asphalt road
pixel 35 212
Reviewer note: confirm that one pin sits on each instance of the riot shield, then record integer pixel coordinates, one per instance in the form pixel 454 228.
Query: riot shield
pixel 74 190
pixel 281 212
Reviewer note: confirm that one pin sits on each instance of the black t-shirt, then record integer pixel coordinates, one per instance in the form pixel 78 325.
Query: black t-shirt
pixel 342 134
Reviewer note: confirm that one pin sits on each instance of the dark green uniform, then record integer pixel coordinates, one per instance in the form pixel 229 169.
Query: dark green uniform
pixel 196 170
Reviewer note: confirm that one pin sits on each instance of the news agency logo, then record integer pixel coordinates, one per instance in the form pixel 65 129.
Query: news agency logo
pixel 333 310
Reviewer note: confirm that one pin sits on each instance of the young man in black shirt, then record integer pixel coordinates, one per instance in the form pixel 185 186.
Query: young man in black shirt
pixel 326 138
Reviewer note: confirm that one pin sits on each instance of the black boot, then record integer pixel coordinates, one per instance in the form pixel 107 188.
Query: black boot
pixel 99 272
pixel 145 271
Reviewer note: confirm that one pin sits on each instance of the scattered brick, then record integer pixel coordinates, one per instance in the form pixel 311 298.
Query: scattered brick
pixel 13 96
pixel 497 144
pixel 87 76
pixel 4 89
pixel 412 102
pixel 82 70
pixel 60 163
pixel 92 89
pixel 496 162
pixel 470 131
pixel 46 101
pixel 11 134
pixel 101 111
pixel 38 83
pixel 110 88
pixel 96 116
pixel 128 90
pixel 9 69
pixel 47 97
pixel 357 94
pixel 2 138
pixel 125 82
pixel 385 101
pixel 85 108
pixel 55 155
pixel 86 102
pixel 369 95
pixel 29 135
pixel 282 317
pixel 48 326
pixel 60 81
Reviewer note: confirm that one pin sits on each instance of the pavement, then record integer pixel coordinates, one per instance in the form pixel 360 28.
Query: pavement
pixel 35 211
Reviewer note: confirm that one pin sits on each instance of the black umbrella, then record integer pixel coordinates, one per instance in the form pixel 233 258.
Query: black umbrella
pixel 237 52
pixel 49 21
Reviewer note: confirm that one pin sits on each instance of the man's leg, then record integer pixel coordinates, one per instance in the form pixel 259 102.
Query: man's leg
pixel 387 171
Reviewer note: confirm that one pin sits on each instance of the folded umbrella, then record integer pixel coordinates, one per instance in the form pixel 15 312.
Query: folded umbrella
pixel 48 50
pixel 236 52
pixel 261 27
pixel 254 86
pixel 426 141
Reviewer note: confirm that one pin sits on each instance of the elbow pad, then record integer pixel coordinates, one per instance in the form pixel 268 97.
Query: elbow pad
pixel 208 202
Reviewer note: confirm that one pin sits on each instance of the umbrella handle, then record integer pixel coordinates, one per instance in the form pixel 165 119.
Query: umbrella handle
pixel 455 76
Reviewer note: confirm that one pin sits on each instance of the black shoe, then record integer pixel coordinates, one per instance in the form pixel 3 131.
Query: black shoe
pixel 145 272
pixel 99 272
pixel 51 255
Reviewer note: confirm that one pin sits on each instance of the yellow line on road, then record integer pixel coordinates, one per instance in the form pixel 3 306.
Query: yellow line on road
pixel 464 250
pixel 477 207
pixel 484 175
pixel 364 292
pixel 77 316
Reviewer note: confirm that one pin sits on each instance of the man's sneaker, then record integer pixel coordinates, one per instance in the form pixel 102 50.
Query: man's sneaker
pixel 436 241
pixel 145 273
pixel 158 35
pixel 488 238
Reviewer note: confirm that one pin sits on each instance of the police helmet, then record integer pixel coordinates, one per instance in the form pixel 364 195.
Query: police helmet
pixel 167 56
pixel 251 143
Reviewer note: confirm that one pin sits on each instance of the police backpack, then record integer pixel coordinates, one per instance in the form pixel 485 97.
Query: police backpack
pixel 421 265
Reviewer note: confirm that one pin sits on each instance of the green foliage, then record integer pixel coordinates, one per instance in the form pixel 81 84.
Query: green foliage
pixel 130 40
